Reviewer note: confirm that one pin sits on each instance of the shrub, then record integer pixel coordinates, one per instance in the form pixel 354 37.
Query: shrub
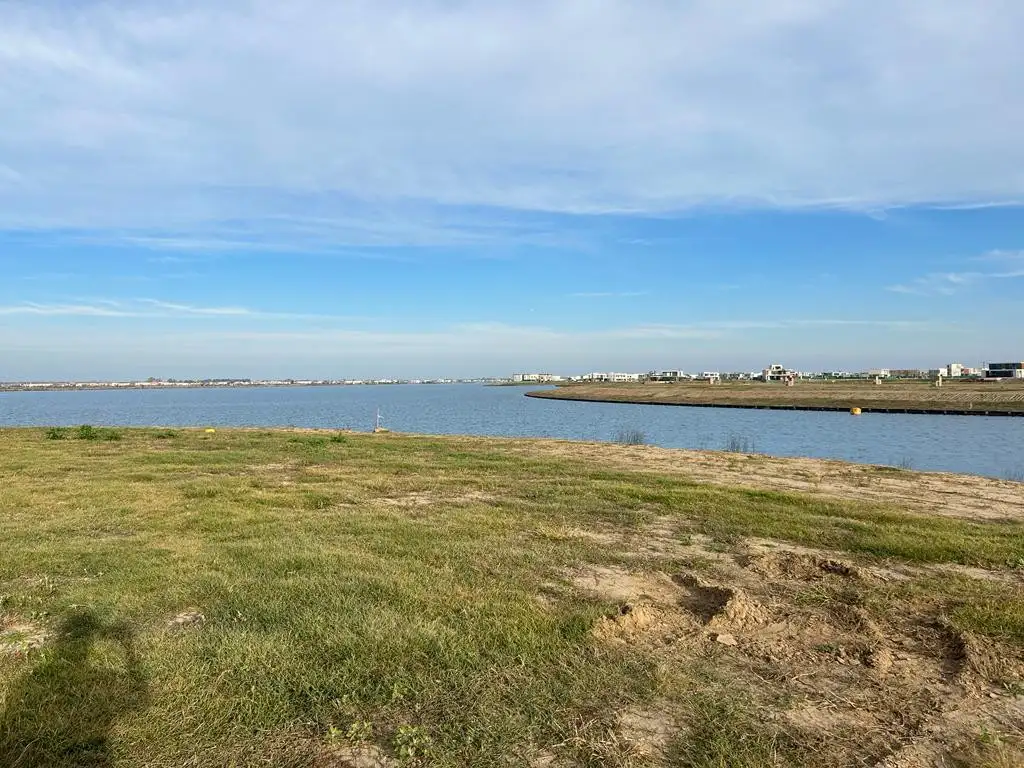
pixel 56 433
pixel 87 432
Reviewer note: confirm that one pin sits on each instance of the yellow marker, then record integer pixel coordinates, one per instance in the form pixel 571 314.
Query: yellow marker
pixel 210 431
pixel 855 411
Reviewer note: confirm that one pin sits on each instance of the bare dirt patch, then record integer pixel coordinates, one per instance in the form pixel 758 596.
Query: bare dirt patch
pixel 430 499
pixel 646 731
pixel 893 687
pixel 190 619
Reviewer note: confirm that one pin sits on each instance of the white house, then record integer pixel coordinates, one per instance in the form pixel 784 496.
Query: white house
pixel 668 376
pixel 539 378
pixel 777 372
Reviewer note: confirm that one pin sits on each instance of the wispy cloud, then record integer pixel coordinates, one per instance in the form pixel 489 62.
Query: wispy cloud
pixel 188 309
pixel 156 309
pixel 948 283
pixel 1011 257
pixel 567 107
pixel 65 310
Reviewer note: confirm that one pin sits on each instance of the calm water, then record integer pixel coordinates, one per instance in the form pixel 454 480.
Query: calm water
pixel 979 445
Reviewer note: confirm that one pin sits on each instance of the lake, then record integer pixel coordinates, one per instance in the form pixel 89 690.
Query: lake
pixel 980 445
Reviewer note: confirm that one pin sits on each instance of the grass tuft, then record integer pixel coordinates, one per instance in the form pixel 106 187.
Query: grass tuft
pixel 89 432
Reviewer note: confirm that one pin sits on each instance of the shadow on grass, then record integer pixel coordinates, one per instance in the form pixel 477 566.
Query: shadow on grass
pixel 61 711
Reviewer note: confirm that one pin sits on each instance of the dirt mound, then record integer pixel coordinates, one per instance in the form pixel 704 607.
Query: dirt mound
pixel 865 681
pixel 629 621
pixel 717 605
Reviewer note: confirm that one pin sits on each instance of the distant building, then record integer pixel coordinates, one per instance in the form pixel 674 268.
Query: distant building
pixel 1004 371
pixel 617 378
pixel 712 377
pixel 879 373
pixel 534 378
pixel 777 372
pixel 954 370
pixel 668 376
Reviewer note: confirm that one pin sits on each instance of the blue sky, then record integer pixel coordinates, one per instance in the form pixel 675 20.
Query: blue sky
pixel 469 188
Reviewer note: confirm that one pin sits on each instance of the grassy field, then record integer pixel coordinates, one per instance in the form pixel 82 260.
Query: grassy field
pixel 969 396
pixel 286 598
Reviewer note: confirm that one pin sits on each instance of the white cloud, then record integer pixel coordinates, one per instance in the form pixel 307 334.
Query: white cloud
pixel 65 310
pixel 153 309
pixel 948 283
pixel 187 115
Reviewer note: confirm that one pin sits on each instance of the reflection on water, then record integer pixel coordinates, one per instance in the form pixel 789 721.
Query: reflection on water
pixel 975 444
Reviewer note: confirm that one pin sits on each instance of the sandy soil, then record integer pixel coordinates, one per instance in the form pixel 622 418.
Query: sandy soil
pixel 936 493
pixel 903 690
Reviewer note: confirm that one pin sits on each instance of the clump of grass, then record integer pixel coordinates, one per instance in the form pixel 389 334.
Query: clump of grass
pixel 994 617
pixel 166 434
pixel 89 432
pixel 339 438
pixel 739 444
pixel 56 433
pixel 905 464
pixel 317 501
pixel 722 733
pixel 884 469
pixel 200 492
pixel 630 437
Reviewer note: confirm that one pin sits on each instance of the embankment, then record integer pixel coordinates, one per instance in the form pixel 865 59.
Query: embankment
pixel 966 399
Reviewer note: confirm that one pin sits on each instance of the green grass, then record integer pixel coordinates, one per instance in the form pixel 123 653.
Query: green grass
pixel 384 583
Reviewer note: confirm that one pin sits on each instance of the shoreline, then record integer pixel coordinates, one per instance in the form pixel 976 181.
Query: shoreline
pixel 936 492
pixel 762 400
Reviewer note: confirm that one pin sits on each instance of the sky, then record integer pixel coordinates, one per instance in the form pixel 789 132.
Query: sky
pixel 400 188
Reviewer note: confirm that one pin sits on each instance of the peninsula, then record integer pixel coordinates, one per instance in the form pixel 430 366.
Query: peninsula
pixel 967 397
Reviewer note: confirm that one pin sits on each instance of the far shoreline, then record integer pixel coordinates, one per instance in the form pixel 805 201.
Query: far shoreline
pixel 771 397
